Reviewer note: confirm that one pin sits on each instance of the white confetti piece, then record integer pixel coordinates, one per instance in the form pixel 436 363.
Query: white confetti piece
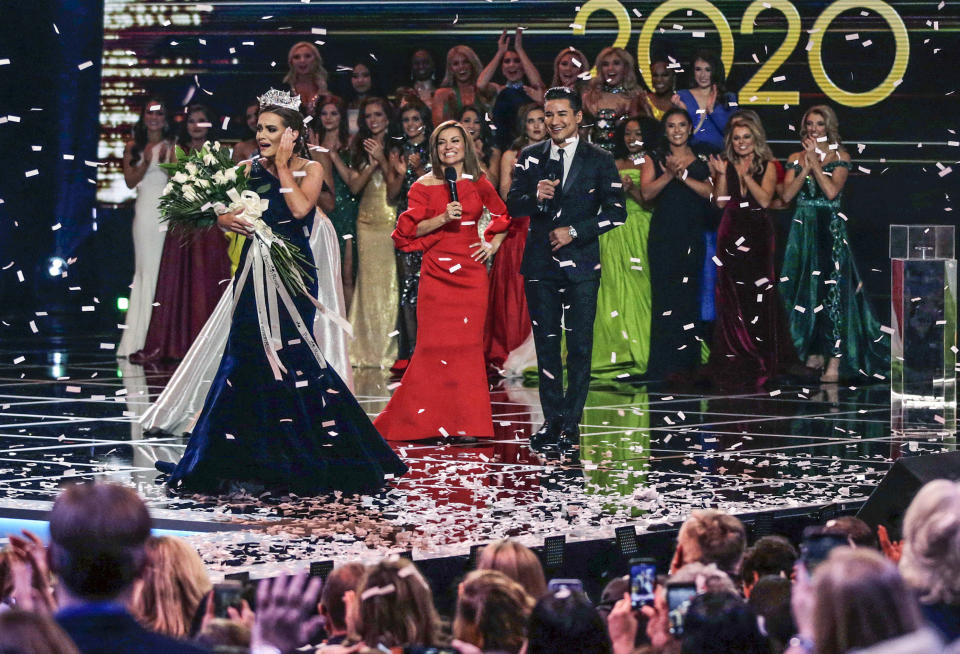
pixel 85 65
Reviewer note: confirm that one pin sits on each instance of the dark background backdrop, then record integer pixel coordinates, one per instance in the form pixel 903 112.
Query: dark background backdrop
pixel 68 120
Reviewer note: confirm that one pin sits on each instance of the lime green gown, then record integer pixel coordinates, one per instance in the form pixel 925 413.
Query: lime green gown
pixel 621 330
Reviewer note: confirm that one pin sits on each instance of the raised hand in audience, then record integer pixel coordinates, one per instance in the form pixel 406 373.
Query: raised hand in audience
pixel 893 550
pixel 30 574
pixel 283 605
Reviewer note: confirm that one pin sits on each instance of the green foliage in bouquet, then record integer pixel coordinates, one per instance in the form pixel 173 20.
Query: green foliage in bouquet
pixel 203 181
pixel 198 181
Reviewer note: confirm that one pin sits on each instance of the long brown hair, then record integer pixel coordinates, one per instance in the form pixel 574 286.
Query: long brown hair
pixel 859 600
pixel 358 156
pixel 471 164
pixel 517 562
pixel 492 611
pixel 343 130
pixel 171 587
pixel 396 606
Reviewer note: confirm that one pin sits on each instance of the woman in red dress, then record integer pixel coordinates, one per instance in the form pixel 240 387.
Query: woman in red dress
pixel 444 391
pixel 508 321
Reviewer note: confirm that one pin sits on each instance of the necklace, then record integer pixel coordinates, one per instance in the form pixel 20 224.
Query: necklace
pixel 637 158
pixel 614 89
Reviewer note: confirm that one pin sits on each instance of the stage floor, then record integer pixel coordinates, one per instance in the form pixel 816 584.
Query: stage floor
pixel 648 457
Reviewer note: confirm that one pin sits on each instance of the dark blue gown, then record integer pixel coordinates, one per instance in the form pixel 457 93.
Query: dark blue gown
pixel 305 433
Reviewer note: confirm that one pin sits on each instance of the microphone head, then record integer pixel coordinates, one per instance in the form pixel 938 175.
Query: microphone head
pixel 450 174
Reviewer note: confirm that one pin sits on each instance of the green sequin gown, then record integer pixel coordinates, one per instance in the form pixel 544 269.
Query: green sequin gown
pixel 344 214
pixel 621 330
pixel 829 312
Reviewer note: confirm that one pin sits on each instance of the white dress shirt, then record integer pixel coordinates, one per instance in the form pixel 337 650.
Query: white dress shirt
pixel 569 149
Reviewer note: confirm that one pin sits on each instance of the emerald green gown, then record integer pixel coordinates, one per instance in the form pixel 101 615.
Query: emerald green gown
pixel 621 330
pixel 828 311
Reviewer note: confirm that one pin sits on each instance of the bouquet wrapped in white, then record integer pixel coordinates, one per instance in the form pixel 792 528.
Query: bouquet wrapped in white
pixel 206 183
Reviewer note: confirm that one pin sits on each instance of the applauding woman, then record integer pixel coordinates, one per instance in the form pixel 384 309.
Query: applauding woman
pixel 444 391
pixel 678 180
pixel 373 311
pixel 844 334
pixel 751 343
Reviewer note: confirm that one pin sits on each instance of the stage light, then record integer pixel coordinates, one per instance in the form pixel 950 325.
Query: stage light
pixel 123 303
pixel 56 266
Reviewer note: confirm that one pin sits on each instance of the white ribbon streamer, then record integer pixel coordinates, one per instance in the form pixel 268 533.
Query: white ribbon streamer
pixel 267 285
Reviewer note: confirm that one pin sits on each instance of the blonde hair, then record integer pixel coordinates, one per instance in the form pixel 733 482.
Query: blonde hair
pixel 517 562
pixel 860 600
pixel 471 164
pixel 399 609
pixel 831 123
pixel 492 611
pixel 466 51
pixel 318 72
pixel 761 150
pixel 629 70
pixel 173 583
pixel 931 543
pixel 579 56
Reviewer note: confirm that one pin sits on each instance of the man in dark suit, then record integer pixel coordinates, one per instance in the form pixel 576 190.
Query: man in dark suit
pixel 571 191
pixel 98 534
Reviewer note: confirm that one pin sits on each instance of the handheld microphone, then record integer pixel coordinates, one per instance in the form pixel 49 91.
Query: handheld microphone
pixel 450 174
pixel 543 206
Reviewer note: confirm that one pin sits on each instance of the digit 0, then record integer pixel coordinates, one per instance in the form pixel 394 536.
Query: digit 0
pixel 900 57
pixel 751 93
pixel 713 14
pixel 614 7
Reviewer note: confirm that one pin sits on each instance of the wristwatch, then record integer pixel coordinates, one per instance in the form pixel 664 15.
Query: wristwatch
pixel 573 231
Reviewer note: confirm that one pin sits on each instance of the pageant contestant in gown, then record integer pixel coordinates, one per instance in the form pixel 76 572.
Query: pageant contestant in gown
pixel 444 391
pixel 751 343
pixel 194 269
pixel 621 330
pixel 837 326
pixel 412 161
pixel 373 311
pixel 304 432
pixel 508 320
pixel 611 95
pixel 678 180
pixel 178 407
pixel 329 132
pixel 151 146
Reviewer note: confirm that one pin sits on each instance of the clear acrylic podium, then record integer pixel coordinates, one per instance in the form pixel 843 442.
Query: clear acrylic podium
pixel 923 346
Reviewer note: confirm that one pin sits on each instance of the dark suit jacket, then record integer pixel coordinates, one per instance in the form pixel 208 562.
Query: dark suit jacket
pixel 114 631
pixel 591 201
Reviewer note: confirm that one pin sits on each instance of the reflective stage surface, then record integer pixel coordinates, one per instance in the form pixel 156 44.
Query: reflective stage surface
pixel 648 456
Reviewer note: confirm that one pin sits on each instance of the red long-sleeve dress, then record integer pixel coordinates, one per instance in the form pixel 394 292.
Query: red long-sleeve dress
pixel 444 390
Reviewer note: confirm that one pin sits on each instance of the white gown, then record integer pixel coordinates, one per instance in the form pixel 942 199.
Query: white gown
pixel 148 237
pixel 180 403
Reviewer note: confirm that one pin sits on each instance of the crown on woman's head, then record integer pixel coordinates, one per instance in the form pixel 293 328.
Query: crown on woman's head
pixel 280 99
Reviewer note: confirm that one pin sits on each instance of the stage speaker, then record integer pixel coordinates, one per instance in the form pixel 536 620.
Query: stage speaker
pixel 889 501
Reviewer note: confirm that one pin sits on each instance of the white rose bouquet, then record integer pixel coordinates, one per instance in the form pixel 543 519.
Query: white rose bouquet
pixel 206 183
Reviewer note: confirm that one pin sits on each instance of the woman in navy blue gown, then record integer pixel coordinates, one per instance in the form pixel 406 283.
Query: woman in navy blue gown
pixel 303 432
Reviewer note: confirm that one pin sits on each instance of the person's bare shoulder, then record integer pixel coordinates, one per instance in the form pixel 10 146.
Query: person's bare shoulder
pixel 429 180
